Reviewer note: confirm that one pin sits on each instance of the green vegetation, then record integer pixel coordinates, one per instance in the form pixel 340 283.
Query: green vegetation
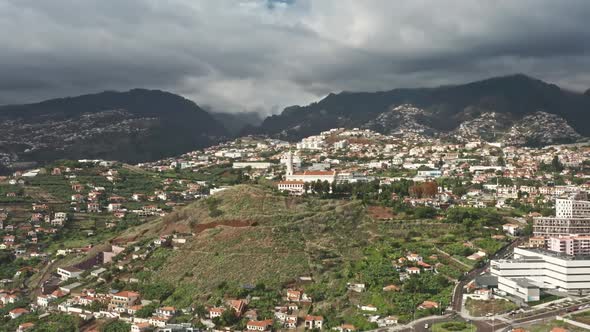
pixel 250 236
pixel 250 240
pixel 454 326
pixel 544 299
pixel 51 323
pixel 480 308
pixel 115 326
pixel 9 264
pixel 583 317
pixel 548 326
pixel 7 192
pixel 218 174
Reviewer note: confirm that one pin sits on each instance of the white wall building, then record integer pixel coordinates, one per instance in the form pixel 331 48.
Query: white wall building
pixel 522 288
pixel 311 143
pixel 293 187
pixel 569 208
pixel 342 144
pixel 543 269
pixel 252 164
pixel 68 272
pixel 429 173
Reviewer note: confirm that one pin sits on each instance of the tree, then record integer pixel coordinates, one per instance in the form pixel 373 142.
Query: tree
pixel 116 326
pixel 97 306
pixel 459 191
pixel 146 311
pixel 424 212
pixel 556 164
pixel 426 189
pixel 227 318
pixel 157 291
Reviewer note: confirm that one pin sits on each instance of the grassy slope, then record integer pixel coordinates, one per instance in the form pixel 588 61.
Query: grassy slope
pixel 285 239
pixel 278 239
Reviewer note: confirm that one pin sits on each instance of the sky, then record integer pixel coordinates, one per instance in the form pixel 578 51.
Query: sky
pixel 264 55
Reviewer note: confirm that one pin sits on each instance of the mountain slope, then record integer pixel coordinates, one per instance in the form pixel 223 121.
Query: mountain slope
pixel 449 106
pixel 234 123
pixel 131 126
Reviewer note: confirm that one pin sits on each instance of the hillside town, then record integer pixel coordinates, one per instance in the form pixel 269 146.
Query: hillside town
pixel 61 229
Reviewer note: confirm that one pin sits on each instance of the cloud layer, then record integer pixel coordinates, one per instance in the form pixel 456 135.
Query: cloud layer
pixel 263 55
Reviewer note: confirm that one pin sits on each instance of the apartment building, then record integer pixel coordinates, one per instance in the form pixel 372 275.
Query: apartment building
pixel 570 245
pixel 572 216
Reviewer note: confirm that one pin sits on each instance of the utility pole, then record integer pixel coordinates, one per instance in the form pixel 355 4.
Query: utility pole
pixel 414 311
pixel 493 317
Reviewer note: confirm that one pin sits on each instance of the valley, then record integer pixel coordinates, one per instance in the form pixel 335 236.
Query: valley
pixel 406 224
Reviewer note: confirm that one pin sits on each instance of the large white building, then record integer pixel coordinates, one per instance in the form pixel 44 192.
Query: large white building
pixel 572 216
pixel 311 143
pixel 534 269
pixel 292 187
pixel 522 288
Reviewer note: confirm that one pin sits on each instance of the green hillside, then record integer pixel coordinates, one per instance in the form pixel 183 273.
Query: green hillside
pixel 251 235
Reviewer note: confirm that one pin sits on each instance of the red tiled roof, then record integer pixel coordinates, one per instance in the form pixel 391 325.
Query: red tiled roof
pixel 261 323
pixel 167 309
pixel 127 294
pixel 316 173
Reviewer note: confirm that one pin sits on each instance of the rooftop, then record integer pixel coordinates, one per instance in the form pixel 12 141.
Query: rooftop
pixel 560 255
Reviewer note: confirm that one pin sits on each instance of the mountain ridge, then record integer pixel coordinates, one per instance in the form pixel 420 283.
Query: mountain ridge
pixel 131 126
pixel 517 95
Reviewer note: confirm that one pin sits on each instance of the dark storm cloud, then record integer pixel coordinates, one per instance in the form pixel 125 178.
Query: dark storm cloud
pixel 266 54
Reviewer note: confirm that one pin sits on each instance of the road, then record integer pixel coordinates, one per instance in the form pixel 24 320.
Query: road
pixel 489 325
pixel 457 300
pixel 418 325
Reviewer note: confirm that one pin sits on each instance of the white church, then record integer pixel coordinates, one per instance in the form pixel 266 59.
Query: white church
pixel 295 181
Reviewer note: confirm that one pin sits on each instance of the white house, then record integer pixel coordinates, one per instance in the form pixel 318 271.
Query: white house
pixel 69 272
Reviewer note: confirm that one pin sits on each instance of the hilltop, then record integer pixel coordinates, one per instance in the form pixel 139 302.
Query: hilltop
pixel 254 235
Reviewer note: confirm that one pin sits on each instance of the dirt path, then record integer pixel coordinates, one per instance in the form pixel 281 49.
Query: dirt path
pixel 45 276
pixel 42 196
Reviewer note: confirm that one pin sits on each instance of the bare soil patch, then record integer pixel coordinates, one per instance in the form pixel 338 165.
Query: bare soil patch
pixel 380 212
